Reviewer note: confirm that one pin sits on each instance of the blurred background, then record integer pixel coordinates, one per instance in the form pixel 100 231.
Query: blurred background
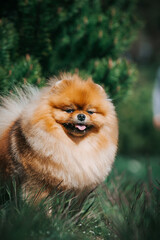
pixel 116 42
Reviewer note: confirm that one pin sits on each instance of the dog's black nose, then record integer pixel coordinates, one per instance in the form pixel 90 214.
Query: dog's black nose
pixel 81 117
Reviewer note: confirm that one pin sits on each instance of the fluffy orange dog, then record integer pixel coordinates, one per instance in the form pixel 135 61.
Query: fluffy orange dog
pixel 64 134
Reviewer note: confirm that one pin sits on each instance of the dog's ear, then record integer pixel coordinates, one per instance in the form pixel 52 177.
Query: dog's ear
pixel 100 87
pixel 54 84
pixel 90 80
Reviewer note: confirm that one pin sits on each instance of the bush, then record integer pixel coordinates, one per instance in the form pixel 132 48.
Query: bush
pixel 89 36
pixel 137 133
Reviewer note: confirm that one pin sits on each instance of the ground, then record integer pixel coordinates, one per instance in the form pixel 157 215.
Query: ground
pixel 126 206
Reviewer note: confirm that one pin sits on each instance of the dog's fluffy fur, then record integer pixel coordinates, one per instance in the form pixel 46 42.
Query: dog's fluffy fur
pixel 43 142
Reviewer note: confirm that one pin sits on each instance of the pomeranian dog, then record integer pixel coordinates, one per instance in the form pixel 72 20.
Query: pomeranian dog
pixel 63 135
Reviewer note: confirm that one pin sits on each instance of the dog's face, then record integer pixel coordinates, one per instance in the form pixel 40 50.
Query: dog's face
pixel 78 106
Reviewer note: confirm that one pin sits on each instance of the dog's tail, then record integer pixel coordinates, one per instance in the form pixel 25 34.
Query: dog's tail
pixel 11 106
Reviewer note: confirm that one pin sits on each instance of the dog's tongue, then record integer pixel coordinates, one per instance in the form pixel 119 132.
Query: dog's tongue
pixel 80 127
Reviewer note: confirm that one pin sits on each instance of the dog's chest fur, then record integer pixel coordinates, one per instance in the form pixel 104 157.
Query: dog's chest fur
pixel 76 166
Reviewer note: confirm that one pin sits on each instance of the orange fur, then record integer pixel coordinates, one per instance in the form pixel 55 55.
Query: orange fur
pixel 48 144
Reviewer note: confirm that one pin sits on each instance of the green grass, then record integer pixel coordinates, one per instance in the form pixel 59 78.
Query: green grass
pixel 138 168
pixel 126 206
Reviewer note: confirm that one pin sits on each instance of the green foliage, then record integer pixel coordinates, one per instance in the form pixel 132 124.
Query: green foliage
pixel 117 75
pixel 14 69
pixel 25 70
pixel 86 36
pixel 137 133
pixel 8 42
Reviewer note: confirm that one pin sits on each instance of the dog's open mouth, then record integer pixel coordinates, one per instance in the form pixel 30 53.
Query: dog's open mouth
pixel 77 127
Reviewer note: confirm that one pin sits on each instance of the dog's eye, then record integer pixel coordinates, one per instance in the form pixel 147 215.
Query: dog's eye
pixel 90 112
pixel 69 110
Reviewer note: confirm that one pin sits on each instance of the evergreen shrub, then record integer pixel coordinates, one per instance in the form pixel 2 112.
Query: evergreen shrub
pixel 87 36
